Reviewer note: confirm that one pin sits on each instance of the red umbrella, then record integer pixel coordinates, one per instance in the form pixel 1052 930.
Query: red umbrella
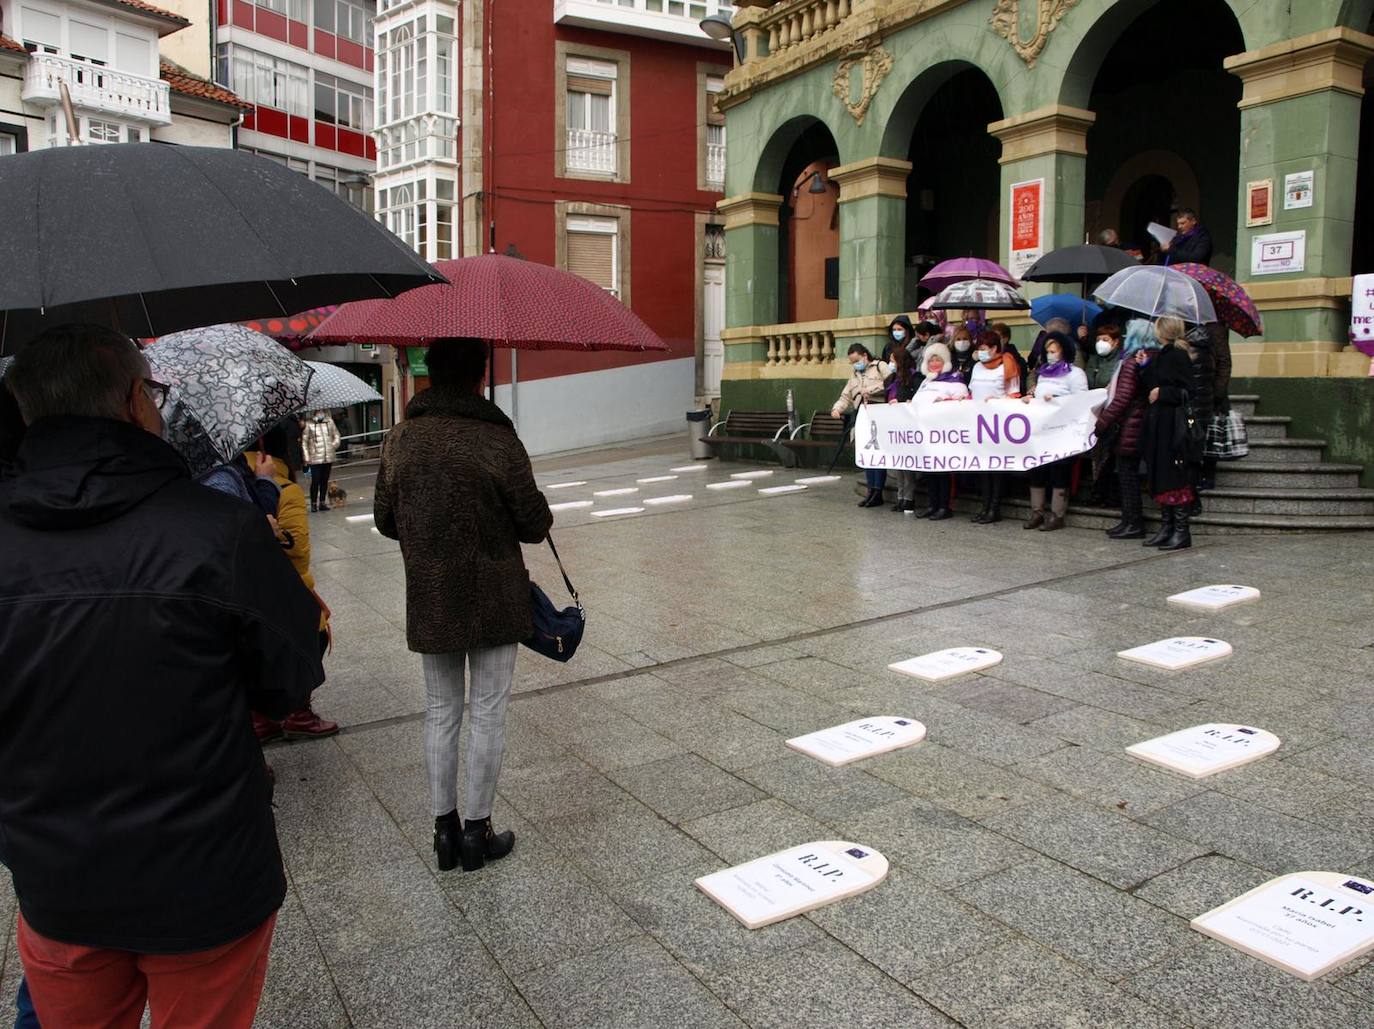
pixel 1234 307
pixel 504 300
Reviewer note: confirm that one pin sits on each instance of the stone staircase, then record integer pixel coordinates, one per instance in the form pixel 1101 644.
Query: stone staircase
pixel 1283 486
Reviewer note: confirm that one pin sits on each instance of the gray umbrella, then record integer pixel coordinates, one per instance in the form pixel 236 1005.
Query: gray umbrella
pixel 151 239
pixel 332 386
pixel 229 385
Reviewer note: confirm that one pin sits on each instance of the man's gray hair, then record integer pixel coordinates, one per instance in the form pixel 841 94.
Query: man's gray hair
pixel 82 370
pixel 1108 236
pixel 1059 325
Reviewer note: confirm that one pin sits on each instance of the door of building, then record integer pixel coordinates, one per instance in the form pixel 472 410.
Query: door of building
pixel 713 321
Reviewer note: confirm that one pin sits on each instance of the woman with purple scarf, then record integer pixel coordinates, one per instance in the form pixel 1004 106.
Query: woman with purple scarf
pixel 1057 377
pixel 943 381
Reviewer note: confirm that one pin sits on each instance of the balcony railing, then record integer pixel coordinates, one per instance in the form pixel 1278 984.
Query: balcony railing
pixel 799 20
pixel 591 151
pixel 715 164
pixel 673 20
pixel 97 88
pixel 799 343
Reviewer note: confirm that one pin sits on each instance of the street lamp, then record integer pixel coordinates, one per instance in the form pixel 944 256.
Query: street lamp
pixel 718 26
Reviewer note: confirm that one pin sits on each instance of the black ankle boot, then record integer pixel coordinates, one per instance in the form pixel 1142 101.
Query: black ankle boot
pixel 1181 538
pixel 1166 527
pixel 447 833
pixel 1118 528
pixel 992 515
pixel 481 844
pixel 867 501
pixel 1128 530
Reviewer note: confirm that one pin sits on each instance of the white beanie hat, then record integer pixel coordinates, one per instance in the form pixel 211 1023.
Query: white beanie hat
pixel 939 350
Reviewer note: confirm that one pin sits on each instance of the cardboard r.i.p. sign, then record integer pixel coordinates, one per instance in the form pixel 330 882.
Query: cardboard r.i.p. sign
pixel 946 664
pixel 794 881
pixel 854 741
pixel 1306 923
pixel 1204 750
pixel 1178 652
pixel 1215 598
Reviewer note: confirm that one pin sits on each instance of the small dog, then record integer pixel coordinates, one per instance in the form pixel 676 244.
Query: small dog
pixel 338 496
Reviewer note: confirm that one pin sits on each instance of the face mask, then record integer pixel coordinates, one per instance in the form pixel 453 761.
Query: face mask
pixel 899 334
pixel 1053 358
pixel 861 366
pixel 1104 347
pixel 983 356
pixel 319 417
pixel 962 345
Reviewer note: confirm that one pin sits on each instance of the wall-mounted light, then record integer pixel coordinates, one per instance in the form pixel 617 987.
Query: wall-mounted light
pixel 718 26
pixel 817 183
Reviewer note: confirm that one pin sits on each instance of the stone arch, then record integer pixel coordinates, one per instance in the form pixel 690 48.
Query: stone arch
pixel 1165 163
pixel 911 103
pixel 775 153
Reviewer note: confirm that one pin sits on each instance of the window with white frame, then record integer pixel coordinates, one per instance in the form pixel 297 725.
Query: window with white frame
pixel 8 144
pixel 293 9
pixel 339 102
pixel 594 250
pixel 591 120
pixel 715 133
pixel 351 19
pixel 264 80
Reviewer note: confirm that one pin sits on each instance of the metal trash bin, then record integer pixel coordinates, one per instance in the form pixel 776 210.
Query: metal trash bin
pixel 698 425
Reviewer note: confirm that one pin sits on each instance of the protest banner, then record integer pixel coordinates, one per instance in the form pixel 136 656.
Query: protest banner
pixel 969 436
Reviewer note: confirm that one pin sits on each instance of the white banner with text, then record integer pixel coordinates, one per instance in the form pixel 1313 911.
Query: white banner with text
pixel 974 436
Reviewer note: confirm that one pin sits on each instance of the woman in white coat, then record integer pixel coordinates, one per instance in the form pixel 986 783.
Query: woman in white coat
pixel 320 445
pixel 943 381
pixel 1058 377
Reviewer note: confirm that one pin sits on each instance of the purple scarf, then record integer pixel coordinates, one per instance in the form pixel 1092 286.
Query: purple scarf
pixel 1056 370
pixel 949 376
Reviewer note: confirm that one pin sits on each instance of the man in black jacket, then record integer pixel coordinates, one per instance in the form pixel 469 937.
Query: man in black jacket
pixel 143 616
pixel 1193 242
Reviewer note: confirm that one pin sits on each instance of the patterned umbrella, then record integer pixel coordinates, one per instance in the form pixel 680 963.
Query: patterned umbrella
pixel 332 386
pixel 961 269
pixel 229 385
pixel 292 330
pixel 980 295
pixel 1234 307
pixel 504 300
pixel 1155 290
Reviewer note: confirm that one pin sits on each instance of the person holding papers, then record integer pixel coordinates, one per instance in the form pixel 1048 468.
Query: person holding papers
pixel 1191 245
pixel 996 376
pixel 942 382
pixel 1058 377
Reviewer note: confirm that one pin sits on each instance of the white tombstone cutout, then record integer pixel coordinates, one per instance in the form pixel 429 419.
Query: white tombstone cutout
pixel 626 491
pixel 946 664
pixel 773 490
pixel 570 505
pixel 732 484
pixel 676 498
pixel 656 478
pixel 816 480
pixel 751 475
pixel 359 518
pixel 689 468
pixel 1305 923
pixel 1215 598
pixel 617 511
pixel 854 741
pixel 1204 750
pixel 794 881
pixel 566 485
pixel 1178 652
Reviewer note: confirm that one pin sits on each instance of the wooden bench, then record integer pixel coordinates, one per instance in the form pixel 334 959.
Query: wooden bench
pixel 824 432
pixel 752 428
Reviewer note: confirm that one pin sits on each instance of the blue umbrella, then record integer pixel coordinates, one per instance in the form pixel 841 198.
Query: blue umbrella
pixel 1074 310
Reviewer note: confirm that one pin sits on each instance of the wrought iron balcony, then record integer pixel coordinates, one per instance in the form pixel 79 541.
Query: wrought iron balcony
pixel 97 89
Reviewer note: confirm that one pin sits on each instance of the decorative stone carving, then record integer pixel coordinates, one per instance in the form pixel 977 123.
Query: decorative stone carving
pixel 874 63
pixel 1006 22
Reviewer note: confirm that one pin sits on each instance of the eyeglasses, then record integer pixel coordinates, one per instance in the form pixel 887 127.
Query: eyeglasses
pixel 156 392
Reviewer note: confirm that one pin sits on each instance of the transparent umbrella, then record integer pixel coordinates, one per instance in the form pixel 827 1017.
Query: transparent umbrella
pixel 1155 291
pixel 332 386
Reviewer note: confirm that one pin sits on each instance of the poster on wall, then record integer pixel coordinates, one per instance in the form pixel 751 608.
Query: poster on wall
pixel 1278 252
pixel 1027 237
pixel 1362 314
pixel 1299 190
pixel 1259 209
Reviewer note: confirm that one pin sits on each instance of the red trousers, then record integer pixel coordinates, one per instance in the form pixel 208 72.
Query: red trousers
pixel 87 988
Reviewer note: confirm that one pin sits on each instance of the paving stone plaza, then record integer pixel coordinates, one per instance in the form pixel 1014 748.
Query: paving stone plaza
pixel 1040 877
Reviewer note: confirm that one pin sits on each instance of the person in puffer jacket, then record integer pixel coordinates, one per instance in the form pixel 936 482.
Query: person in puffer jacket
pixel 1123 415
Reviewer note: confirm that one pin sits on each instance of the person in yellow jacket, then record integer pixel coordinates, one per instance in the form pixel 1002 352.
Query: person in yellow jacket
pixel 293 532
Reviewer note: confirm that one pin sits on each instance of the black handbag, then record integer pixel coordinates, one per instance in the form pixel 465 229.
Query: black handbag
pixel 556 633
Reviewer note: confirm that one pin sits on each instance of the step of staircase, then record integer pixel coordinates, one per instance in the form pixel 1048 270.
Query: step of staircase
pixel 1278 501
pixel 1297 451
pixel 1244 403
pixel 1254 473
pixel 1267 426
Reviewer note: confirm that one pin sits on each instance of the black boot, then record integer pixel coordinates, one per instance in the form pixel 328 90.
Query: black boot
pixel 867 501
pixel 1166 527
pixel 875 499
pixel 447 833
pixel 993 513
pixel 1181 538
pixel 481 844
pixel 1132 524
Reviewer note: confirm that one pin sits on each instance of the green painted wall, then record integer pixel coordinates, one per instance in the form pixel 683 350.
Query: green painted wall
pixel 1340 411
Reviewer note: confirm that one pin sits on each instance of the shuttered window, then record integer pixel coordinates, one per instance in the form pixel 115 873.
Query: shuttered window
pixel 592 251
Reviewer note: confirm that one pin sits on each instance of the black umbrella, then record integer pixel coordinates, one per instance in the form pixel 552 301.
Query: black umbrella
pixel 153 239
pixel 1075 264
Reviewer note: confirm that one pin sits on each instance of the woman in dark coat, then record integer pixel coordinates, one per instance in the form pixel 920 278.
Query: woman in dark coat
pixel 1220 338
pixel 1169 472
pixel 1200 351
pixel 1123 415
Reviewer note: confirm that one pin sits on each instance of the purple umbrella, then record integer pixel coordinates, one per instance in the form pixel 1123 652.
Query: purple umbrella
pixel 961 269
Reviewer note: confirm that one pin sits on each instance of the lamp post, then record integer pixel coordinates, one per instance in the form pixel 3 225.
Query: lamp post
pixel 718 26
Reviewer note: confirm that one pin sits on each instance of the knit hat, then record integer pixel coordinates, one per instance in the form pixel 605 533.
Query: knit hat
pixel 934 349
